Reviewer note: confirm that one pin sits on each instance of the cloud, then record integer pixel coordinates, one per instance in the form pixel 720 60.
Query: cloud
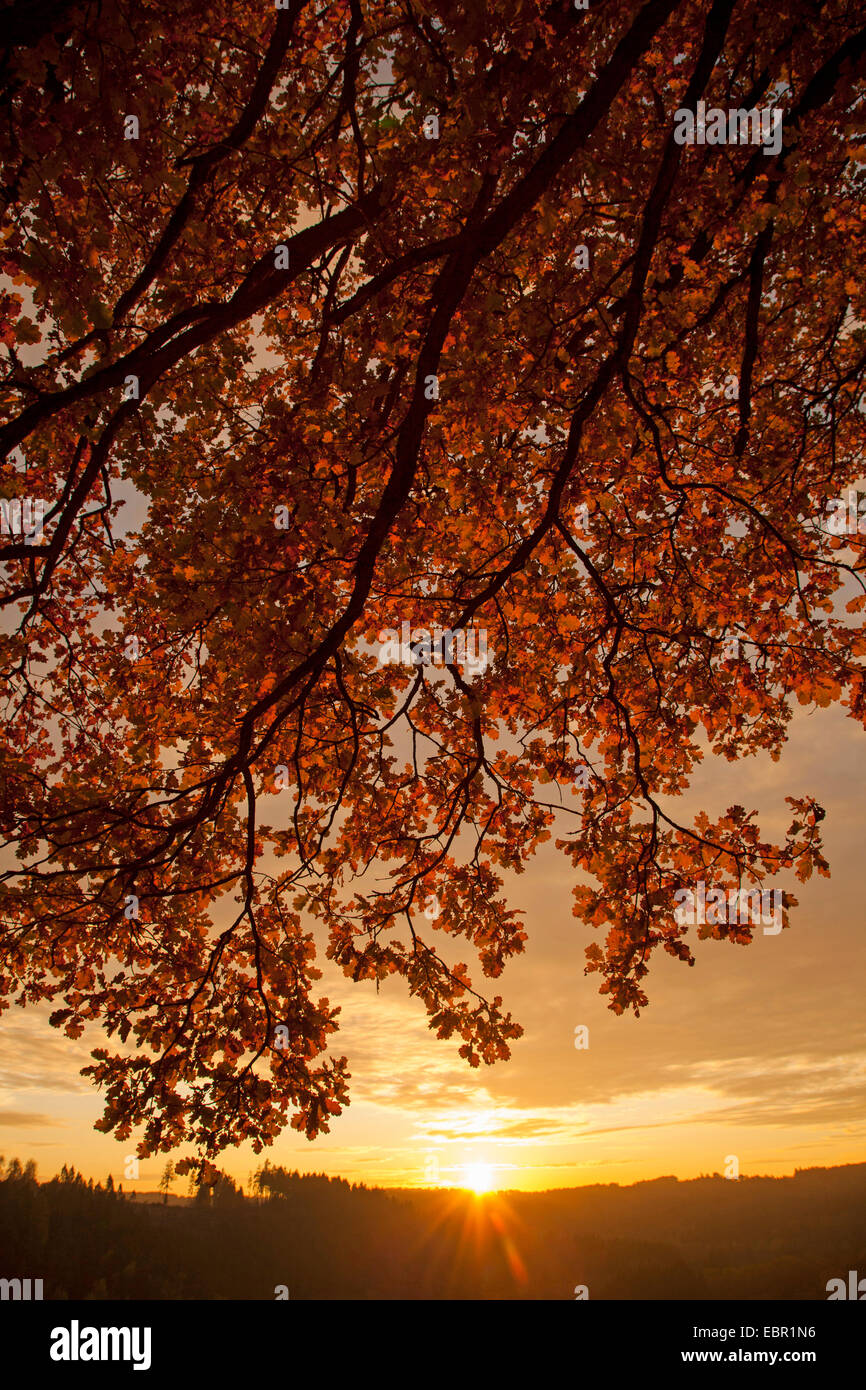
pixel 804 1090
pixel 37 1057
pixel 24 1119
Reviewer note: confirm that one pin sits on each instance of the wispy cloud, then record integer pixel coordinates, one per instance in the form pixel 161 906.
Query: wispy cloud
pixel 13 1119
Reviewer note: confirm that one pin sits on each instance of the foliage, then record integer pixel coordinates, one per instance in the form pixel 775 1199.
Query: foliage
pixel 584 489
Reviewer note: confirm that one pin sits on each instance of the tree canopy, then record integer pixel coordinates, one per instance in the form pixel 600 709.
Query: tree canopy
pixel 323 322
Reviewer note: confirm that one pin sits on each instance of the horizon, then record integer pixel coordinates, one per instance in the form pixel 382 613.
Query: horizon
pixel 247 1189
pixel 433 559
pixel 739 1056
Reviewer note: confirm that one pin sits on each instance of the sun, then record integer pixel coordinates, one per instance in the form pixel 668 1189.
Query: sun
pixel 478 1177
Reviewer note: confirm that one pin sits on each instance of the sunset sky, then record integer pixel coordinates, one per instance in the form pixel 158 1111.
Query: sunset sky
pixel 758 1052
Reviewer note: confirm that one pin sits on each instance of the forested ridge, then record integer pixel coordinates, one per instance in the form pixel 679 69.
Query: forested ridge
pixel 313 1237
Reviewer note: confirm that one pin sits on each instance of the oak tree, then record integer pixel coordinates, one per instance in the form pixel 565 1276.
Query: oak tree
pixel 322 319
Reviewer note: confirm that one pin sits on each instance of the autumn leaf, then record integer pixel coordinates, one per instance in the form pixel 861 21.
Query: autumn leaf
pixel 430 418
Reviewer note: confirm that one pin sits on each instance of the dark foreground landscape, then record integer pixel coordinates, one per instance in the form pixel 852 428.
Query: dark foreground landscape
pixel 319 1238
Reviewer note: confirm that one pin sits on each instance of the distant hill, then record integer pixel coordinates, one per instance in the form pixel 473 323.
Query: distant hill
pixel 323 1238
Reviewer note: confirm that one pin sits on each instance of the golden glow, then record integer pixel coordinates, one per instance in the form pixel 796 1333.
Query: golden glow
pixel 478 1177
